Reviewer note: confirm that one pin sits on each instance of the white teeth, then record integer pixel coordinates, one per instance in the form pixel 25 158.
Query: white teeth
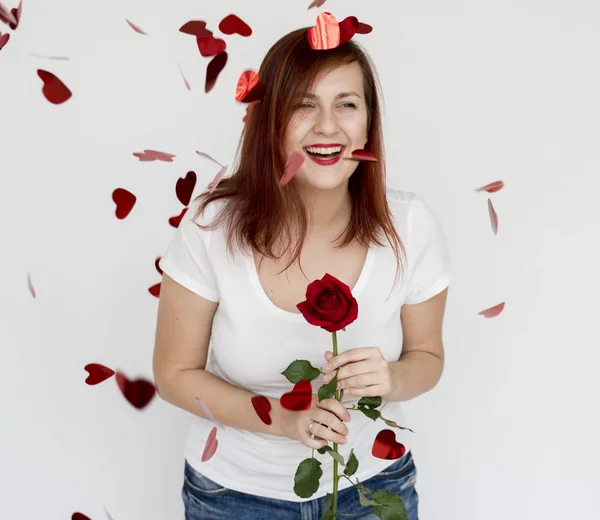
pixel 324 151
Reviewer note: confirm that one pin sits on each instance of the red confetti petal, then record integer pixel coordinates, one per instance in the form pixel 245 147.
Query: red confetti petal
pixel 4 40
pixel 187 85
pixel 54 89
pixel 136 28
pixel 214 69
pixel 125 200
pixel 139 392
pixel 97 373
pixel 386 446
pixel 210 46
pixel 202 154
pixel 493 217
pixel 215 182
pixel 79 516
pixel 492 187
pixel 295 160
pixel 232 24
pixel 157 266
pixel 362 155
pixel 211 445
pixel 30 286
pixel 249 87
pixel 492 312
pixel 155 290
pixel 316 3
pixel 325 34
pixel 154 155
pixel 185 187
pixel 262 407
pixel 364 28
pixel 196 28
pixel 17 16
pixel 348 28
pixel 7 16
pixel 299 399
pixel 175 221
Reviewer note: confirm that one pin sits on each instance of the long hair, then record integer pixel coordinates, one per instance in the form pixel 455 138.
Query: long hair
pixel 259 212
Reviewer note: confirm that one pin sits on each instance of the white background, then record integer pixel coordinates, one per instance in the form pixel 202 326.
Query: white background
pixel 476 91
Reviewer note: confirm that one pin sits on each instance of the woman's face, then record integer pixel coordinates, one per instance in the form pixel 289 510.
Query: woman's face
pixel 330 122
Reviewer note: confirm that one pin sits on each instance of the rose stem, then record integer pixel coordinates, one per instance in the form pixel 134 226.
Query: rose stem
pixel 335 446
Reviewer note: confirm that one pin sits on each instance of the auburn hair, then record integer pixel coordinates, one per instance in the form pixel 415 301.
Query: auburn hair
pixel 260 213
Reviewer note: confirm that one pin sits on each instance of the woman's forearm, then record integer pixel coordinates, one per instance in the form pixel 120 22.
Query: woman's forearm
pixel 414 374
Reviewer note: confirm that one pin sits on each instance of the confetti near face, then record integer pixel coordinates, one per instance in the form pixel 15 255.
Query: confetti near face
pixel 210 46
pixel 157 265
pixel 175 221
pixel 139 392
pixel 295 160
pixel 97 373
pixel 233 25
pixel 262 407
pixel 386 447
pixel 211 445
pixel 362 155
pixel 299 399
pixel 185 187
pixel 196 28
pixel 54 89
pixel 4 40
pixel 325 34
pixel 79 516
pixel 317 3
pixel 213 70
pixel 348 28
pixel 125 200
pixel 249 87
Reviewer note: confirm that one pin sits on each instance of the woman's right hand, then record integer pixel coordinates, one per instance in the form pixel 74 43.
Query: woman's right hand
pixel 327 417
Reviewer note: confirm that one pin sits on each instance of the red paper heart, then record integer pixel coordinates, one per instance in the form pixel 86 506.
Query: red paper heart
pixel 294 161
pixel 362 155
pixel 6 16
pixel 54 89
pixel 492 312
pixel 211 445
pixel 364 28
pixel 196 28
pixel 97 373
pixel 175 221
pixel 139 392
pixel 262 407
pixel 125 200
pixel 249 87
pixel 185 187
pixel 155 290
pixel 299 399
pixel 213 70
pixel 4 40
pixel 210 46
pixel 386 446
pixel 348 28
pixel 232 24
pixel 325 34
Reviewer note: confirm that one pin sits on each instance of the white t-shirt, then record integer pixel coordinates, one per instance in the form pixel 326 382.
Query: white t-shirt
pixel 253 341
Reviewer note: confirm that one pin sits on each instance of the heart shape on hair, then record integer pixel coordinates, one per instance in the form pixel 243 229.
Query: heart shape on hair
pixel 210 46
pixel 175 221
pixel 125 200
pixel 262 407
pixel 299 399
pixel 348 28
pixel 325 35
pixel 54 89
pixel 185 187
pixel 4 39
pixel 234 25
pixel 139 392
pixel 362 155
pixel 97 373
pixel 211 445
pixel 386 446
pixel 249 87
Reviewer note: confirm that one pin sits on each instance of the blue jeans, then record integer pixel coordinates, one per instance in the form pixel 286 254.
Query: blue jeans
pixel 207 500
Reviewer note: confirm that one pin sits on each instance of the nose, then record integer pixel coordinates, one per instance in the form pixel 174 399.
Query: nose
pixel 326 123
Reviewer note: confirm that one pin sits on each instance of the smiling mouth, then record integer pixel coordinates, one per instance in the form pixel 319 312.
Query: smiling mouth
pixel 324 153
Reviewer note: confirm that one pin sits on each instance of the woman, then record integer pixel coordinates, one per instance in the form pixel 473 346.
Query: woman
pixel 240 263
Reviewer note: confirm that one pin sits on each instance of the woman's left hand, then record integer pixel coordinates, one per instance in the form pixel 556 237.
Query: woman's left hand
pixel 364 367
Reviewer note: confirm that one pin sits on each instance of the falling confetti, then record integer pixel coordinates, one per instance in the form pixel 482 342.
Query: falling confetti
pixel 386 447
pixel 196 28
pixel 54 89
pixel 17 16
pixel 136 28
pixel 295 160
pixel 361 155
pixel 139 392
pixel 233 25
pixel 215 182
pixel 30 286
pixel 493 217
pixel 211 445
pixel 213 70
pixel 205 155
pixel 7 16
pixel 210 46
pixel 249 88
pixel 79 516
pixel 187 85
pixel 348 28
pixel 492 187
pixel 262 407
pixel 157 265
pixel 175 221
pixel 185 187
pixel 155 290
pixel 299 399
pixel 325 34
pixel 492 312
pixel 4 39
pixel 316 3
pixel 97 373
pixel 125 200
pixel 154 155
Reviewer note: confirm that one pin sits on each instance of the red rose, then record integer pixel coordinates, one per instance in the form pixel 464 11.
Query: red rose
pixel 329 304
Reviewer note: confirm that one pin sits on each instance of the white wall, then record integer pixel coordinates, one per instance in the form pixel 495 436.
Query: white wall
pixel 476 91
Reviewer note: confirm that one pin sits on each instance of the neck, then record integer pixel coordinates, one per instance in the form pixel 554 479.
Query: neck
pixel 329 211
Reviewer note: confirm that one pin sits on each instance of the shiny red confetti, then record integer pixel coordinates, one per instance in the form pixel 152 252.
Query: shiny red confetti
pixel 364 28
pixel 362 155
pixel 155 289
pixel 97 373
pixel 54 89
pixel 7 16
pixel 294 161
pixel 492 187
pixel 493 217
pixel 175 221
pixel 17 15
pixel 316 3
pixel 202 154
pixel 210 46
pixel 136 28
pixel 196 28
pixel 4 40
pixel 185 81
pixel 348 28
pixel 185 187
pixel 61 58
pixel 233 25
pixel 215 182
pixel 386 446
pixel 208 414
pixel 79 516
pixel 30 286
pixel 154 155
pixel 299 399
pixel 157 265
pixel 139 392
pixel 325 34
pixel 211 445
pixel 213 70
pixel 262 407
pixel 492 312
pixel 249 87
pixel 125 200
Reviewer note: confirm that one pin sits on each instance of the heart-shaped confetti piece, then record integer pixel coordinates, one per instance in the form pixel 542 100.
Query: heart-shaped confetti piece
pixel 16 15
pixel 208 414
pixel 4 40
pixel 262 407
pixel 348 28
pixel 97 373
pixel 211 445
pixel 175 221
pixel 325 34
pixel 300 398
pixel 155 290
pixel 125 200
pixel 185 187
pixel 210 46
pixel 213 70
pixel 362 155
pixel 139 392
pixel 196 28
pixel 206 156
pixel 386 446
pixel 54 89
pixel 233 25
pixel 492 312
pixel 294 161
pixel 249 87
pixel 7 16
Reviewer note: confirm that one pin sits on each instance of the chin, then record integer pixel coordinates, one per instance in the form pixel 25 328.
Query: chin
pixel 323 182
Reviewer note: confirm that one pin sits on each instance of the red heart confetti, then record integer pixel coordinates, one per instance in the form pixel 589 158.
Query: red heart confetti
pixel 364 28
pixel 299 399
pixel 492 187
pixel 17 16
pixel 7 16
pixel 493 217
pixel 125 200
pixel 492 312
pixel 211 445
pixel 202 154
pixel 62 58
pixel 136 28
pixel 386 446
pixel 210 46
pixel 185 187
pixel 249 87
pixel 196 28
pixel 155 290
pixel 316 3
pixel 79 516
pixel 348 28
pixel 139 392
pixel 97 373
pixel 325 34
pixel 175 221
pixel 154 155
pixel 207 413
pixel 215 182
pixel 232 24
pixel 157 265
pixel 4 40
pixel 185 81
pixel 54 89
pixel 30 286
pixel 361 155
pixel 262 407
pixel 294 161
pixel 213 70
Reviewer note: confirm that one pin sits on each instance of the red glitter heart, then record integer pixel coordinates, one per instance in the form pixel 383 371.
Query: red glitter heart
pixel 325 34
pixel 249 87
pixel 125 200
pixel 54 89
pixel 139 392
pixel 97 373
pixel 210 46
pixel 211 445
pixel 348 28
pixel 300 398
pixel 213 70
pixel 262 407
pixel 233 25
pixel 386 446
pixel 185 187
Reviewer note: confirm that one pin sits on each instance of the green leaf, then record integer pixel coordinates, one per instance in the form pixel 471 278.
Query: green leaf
pixel 371 414
pixel 351 465
pixel 326 512
pixel 389 506
pixel 328 391
pixel 394 424
pixel 306 480
pixel 325 449
pixel 301 370
pixel 370 402
pixel 364 501
pixel 337 456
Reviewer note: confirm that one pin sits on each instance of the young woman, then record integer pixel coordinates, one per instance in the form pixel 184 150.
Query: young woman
pixel 240 263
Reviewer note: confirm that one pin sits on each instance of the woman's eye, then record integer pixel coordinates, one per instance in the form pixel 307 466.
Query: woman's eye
pixel 304 105
pixel 349 105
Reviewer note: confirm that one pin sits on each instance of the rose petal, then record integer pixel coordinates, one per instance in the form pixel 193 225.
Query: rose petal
pixel 196 28
pixel 30 286
pixel 386 447
pixel 492 312
pixel 54 89
pixel 361 155
pixel 249 87
pixel 97 373
pixel 294 161
pixel 211 445
pixel 4 40
pixel 492 187
pixel 210 46
pixel 262 407
pixel 493 217
pixel 232 24
pixel 185 187
pixel 136 28
pixel 325 34
pixel 175 221
pixel 299 399
pixel 125 200
pixel 139 392
pixel 214 69
pixel 155 290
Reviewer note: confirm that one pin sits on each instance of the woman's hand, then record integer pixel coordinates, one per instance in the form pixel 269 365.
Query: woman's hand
pixel 324 419
pixel 364 367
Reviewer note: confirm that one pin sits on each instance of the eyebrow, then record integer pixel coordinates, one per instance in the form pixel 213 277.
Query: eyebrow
pixel 339 96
